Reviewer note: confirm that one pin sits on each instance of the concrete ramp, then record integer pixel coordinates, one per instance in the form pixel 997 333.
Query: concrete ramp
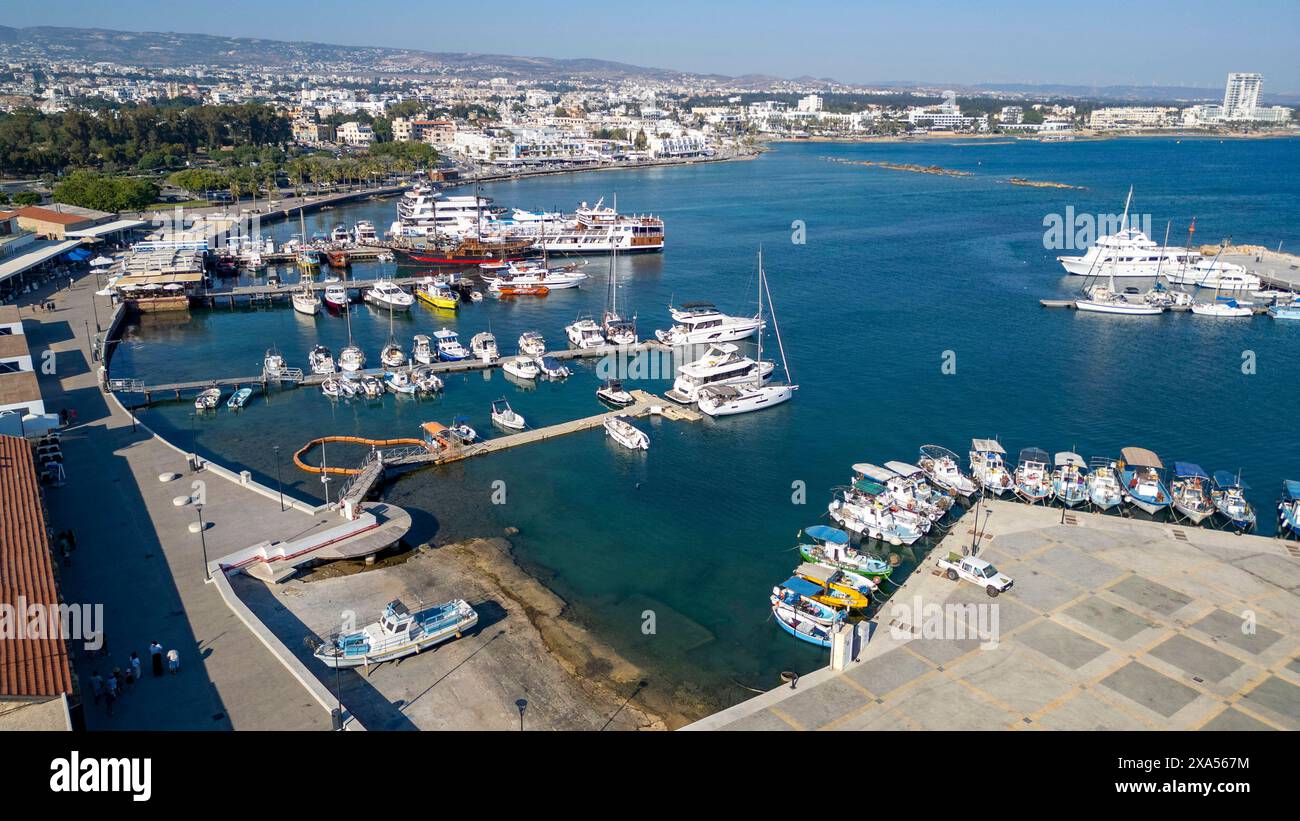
pixel 376 527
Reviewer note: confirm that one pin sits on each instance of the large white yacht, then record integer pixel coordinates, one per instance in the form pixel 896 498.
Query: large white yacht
pixel 423 212
pixel 699 323
pixel 722 364
pixel 386 294
pixel 599 229
pixel 1129 253
pixel 529 275
pixel 1224 276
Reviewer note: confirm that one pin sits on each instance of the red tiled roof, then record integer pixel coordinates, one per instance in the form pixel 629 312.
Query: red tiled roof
pixel 28 667
pixel 47 215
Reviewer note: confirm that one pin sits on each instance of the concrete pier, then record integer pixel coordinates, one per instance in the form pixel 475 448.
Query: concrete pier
pixel 1112 623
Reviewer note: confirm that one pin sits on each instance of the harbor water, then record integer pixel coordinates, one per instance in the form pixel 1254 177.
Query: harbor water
pixel 908 304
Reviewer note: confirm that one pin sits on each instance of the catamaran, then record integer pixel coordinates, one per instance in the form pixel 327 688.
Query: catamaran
pixel 1141 475
pixel 398 633
pixel 988 467
pixel 1190 489
pixel 743 397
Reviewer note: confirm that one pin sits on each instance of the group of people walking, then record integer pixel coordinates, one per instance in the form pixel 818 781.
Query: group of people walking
pixel 108 689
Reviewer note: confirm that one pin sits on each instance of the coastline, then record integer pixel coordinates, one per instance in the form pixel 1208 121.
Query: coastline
pixel 1075 136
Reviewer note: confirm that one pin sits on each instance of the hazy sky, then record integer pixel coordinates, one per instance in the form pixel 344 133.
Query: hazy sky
pixel 1088 42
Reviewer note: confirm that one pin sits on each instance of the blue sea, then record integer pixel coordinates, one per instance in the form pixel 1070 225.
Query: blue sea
pixel 880 279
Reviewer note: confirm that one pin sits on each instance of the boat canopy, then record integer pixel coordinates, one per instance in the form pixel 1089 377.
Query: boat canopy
pixel 937 452
pixel 1188 470
pixel 874 472
pixel 1067 457
pixel 1141 457
pixel 803 587
pixel 834 535
pixel 1034 455
pixel 1292 489
pixel 903 468
pixel 697 305
pixel 819 572
pixel 1225 478
pixel 986 446
pixel 869 488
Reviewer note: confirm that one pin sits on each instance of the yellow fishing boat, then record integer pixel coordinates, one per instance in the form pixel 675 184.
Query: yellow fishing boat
pixel 838 588
pixel 437 295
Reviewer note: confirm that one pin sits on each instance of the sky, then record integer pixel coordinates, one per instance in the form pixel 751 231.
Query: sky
pixel 1087 42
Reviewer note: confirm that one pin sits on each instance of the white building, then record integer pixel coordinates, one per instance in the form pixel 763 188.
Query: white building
pixel 1011 115
pixel 1241 96
pixel 1130 117
pixel 811 103
pixel 356 134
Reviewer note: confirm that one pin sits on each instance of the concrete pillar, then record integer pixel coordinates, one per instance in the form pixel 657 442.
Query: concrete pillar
pixel 841 645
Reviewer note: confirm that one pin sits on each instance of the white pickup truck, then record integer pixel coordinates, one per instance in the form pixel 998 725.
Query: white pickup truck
pixel 976 571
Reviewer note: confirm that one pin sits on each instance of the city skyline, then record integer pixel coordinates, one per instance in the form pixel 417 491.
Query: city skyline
pixel 948 45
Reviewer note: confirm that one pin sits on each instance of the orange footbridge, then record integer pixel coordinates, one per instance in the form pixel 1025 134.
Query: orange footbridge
pixel 352 440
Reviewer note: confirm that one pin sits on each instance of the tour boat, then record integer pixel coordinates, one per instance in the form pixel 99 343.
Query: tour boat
pixel 1141 477
pixel 272 363
pixel 336 296
pixel 398 633
pixel 1130 251
pixel 392 355
pixel 747 396
pixel 521 366
pixel 448 345
pixel 1288 509
pixel 422 350
pixel 551 368
pixel 600 229
pixel 1104 490
pixel 338 387
pixel 838 589
pixel 321 360
pixel 721 364
pixel 1190 492
pixel 626 434
pixel 701 323
pixel 484 347
pixel 831 547
pixel 1229 496
pixel 239 398
pixel 944 469
pixel 400 382
pixel 988 467
pixel 385 294
pixel 208 399
pixel 438 295
pixel 426 381
pixel 1069 479
pixel 800 615
pixel 531 343
pixel 584 333
pixel 612 392
pixel 527 276
pixel 506 416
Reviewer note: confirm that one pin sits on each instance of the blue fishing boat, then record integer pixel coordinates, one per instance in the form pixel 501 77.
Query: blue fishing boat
pixel 239 398
pixel 1285 310
pixel 1229 497
pixel 398 633
pixel 1142 477
pixel 1288 509
pixel 799 615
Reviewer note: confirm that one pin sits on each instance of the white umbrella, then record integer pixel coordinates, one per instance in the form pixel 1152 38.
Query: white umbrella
pixel 100 261
pixel 174 287
pixel 152 286
pixel 128 287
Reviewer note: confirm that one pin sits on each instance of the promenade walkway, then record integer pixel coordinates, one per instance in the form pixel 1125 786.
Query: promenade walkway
pixel 136 556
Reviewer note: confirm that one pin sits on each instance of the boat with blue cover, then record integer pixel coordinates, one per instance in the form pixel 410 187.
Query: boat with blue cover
pixel 398 633
pixel 1142 477
pixel 1288 509
pixel 1229 495
pixel 1190 489
pixel 800 615
pixel 239 398
pixel 832 548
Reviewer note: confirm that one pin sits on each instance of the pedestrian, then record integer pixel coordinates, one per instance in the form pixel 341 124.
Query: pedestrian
pixel 173 661
pixel 109 698
pixel 128 678
pixel 110 688
pixel 135 664
pixel 156 651
pixel 120 685
pixel 72 414
pixel 97 686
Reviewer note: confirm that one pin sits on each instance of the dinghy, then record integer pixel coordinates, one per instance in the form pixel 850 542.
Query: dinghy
pixel 338 388
pixel 799 615
pixel 1190 491
pixel 831 547
pixel 626 434
pixel 398 633
pixel 550 367
pixel 239 398
pixel 426 381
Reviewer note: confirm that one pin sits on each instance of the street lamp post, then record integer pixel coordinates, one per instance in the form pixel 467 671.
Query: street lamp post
pixel 203 539
pixel 278 483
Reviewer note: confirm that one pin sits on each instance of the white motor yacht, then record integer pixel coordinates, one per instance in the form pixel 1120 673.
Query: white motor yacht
pixel 386 294
pixel 531 343
pixel 722 364
pixel 585 333
pixel 522 367
pixel 321 360
pixel 699 323
pixel 626 434
pixel 484 347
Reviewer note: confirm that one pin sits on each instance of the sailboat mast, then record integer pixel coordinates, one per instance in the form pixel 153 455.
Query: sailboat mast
pixel 1164 249
pixel 776 326
pixel 758 369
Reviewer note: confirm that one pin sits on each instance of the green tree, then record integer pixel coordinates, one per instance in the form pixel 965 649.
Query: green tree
pixel 25 198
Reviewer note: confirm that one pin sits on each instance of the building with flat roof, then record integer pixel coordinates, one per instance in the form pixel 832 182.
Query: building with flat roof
pixel 1241 95
pixel 55 221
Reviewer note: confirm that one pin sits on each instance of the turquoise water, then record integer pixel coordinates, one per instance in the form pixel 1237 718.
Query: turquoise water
pixel 897 269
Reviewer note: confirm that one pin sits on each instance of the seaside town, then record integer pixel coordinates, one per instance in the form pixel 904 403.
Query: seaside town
pixel 352 389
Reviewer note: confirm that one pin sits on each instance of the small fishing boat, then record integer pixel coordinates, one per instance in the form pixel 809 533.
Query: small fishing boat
pixel 426 381
pixel 1033 480
pixel 522 367
pixel 338 387
pixel 1190 489
pixel 1104 490
pixel 392 355
pixel 912 490
pixel 584 333
pixel 506 289
pixel 208 399
pixel 1229 496
pixel 398 633
pixel 239 398
pixel 831 547
pixel 400 383
pixel 626 434
pixel 988 467
pixel 506 417
pixel 1141 476
pixel 864 509
pixel 461 430
pixel 1285 310
pixel 372 387
pixel 448 345
pixel 352 359
pixel 611 392
pixel 551 368
pixel 321 360
pixel 1069 479
pixel 475 296
pixel 484 347
pixel 800 615
pixel 272 363
pixel 944 469
pixel 336 296
pixel 422 350
pixel 531 343
pixel 1288 509
pixel 838 589
pixel 438 295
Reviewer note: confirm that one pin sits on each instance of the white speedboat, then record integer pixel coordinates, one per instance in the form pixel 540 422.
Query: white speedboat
pixel 321 360
pixel 401 383
pixel 585 333
pixel 336 296
pixel 426 381
pixel 208 399
pixel 988 467
pixel 422 350
pixel 626 434
pixel 372 387
pixel 612 392
pixel 701 323
pixel 722 364
pixel 521 366
pixel 272 363
pixel 398 633
pixel 551 368
pixel 531 343
pixel 531 276
pixel 448 345
pixel 484 347
pixel 352 359
pixel 944 469
pixel 386 294
pixel 338 388
pixel 506 416
pixel 341 235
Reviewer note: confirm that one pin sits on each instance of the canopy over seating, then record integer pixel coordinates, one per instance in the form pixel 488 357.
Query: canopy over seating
pixel 903 468
pixel 824 533
pixel 1037 455
pixel 986 446
pixel 1141 457
pixel 802 586
pixel 875 472
pixel 1067 457
pixel 1187 470
pixel 1292 489
pixel 1224 478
